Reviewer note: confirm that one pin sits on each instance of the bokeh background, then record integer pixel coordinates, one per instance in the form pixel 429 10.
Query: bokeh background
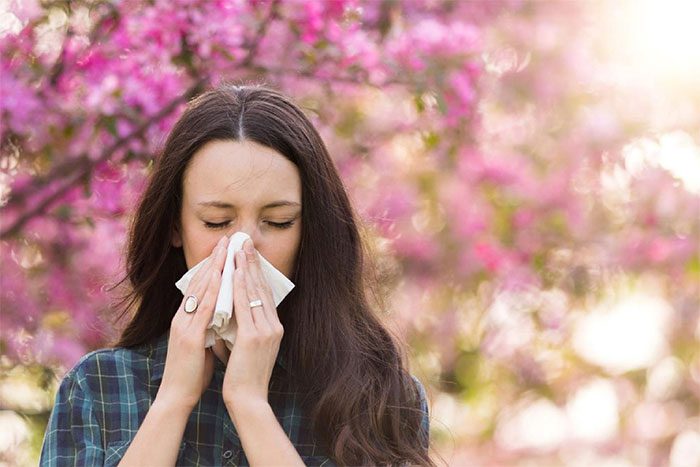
pixel 530 173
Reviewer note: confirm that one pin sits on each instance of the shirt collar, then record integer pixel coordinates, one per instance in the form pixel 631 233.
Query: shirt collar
pixel 159 350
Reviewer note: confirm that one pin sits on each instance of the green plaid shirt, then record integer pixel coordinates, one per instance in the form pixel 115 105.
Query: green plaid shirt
pixel 104 398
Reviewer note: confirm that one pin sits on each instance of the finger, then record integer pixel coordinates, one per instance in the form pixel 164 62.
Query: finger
pixel 196 281
pixel 255 269
pixel 255 291
pixel 240 298
pixel 257 312
pixel 263 291
pixel 202 274
pixel 197 288
pixel 199 283
pixel 208 305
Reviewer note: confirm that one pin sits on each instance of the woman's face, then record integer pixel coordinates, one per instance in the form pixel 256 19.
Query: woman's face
pixel 230 186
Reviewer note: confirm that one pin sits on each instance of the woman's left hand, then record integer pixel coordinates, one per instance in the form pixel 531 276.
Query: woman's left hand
pixel 254 352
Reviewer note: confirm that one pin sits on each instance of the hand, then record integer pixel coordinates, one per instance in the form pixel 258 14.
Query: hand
pixel 252 358
pixel 189 367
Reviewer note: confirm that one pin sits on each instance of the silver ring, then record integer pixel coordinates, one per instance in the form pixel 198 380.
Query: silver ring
pixel 255 303
pixel 191 304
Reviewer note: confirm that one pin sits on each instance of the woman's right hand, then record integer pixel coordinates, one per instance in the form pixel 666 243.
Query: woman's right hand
pixel 189 367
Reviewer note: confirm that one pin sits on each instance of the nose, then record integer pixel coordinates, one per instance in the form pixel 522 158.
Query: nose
pixel 249 229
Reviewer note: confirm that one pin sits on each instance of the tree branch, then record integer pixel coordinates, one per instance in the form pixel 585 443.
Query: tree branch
pixel 58 68
pixel 84 165
pixel 260 34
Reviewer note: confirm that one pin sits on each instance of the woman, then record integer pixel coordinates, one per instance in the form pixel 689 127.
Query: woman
pixel 317 381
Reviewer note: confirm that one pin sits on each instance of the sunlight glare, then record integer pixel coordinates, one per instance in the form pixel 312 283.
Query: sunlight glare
pixel 659 36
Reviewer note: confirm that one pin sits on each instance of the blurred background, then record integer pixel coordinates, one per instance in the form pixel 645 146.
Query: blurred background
pixel 530 172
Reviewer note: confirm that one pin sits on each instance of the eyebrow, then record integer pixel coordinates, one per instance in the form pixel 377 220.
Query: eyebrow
pixel 224 205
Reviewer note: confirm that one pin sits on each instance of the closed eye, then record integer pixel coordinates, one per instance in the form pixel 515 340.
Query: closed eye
pixel 276 225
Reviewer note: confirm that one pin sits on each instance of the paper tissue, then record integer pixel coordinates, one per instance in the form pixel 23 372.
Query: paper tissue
pixel 223 323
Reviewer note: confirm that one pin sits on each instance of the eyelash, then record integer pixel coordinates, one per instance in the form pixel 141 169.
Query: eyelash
pixel 276 225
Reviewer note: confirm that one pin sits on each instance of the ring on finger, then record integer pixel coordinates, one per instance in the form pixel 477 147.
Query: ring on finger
pixel 191 304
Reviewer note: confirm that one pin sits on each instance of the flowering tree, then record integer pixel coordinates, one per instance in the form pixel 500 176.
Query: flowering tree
pixel 527 203
pixel 90 89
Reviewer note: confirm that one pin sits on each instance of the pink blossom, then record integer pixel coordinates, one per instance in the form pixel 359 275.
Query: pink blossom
pixel 491 256
pixel 418 247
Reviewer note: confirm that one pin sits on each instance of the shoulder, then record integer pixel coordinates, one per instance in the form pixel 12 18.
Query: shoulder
pixel 105 363
pixel 99 400
pixel 421 391
pixel 425 420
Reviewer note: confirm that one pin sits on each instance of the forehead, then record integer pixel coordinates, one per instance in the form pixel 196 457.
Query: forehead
pixel 240 172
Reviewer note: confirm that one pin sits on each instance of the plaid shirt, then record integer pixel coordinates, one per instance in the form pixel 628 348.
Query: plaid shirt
pixel 104 398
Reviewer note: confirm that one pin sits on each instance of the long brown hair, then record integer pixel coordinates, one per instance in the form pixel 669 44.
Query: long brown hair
pixel 364 404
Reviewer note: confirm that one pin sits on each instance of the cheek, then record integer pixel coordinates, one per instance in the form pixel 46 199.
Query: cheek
pixel 198 249
pixel 193 256
pixel 281 258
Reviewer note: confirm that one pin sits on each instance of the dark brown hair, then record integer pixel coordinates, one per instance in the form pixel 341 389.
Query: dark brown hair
pixel 364 404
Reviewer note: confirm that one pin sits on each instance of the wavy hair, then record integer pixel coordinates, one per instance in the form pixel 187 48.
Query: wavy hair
pixel 363 403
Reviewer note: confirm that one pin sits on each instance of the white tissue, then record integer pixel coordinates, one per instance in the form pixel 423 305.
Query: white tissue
pixel 223 323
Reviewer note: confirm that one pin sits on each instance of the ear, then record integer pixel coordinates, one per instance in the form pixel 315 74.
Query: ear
pixel 176 239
